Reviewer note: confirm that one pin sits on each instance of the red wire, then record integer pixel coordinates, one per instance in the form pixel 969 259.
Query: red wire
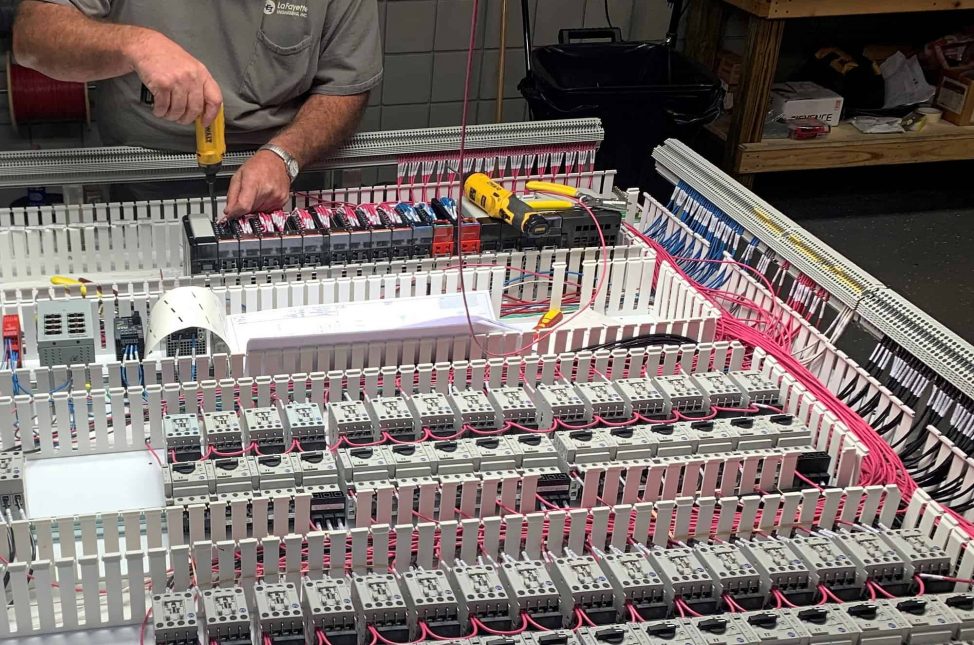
pixel 36 98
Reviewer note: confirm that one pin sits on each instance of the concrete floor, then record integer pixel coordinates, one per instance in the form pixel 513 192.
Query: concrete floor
pixel 910 226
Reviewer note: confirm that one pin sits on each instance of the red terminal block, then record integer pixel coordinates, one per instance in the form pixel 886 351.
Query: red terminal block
pixel 470 236
pixel 12 335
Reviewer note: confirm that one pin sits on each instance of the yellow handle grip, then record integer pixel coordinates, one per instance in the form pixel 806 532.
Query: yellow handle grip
pixel 211 142
pixel 554 189
pixel 548 204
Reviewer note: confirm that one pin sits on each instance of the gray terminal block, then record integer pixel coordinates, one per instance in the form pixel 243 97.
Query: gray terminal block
pixel 532 591
pixel 327 604
pixel 780 568
pixel 430 600
pixel 604 400
pixel 642 395
pixel 222 431
pixel 391 415
pixel 583 584
pixel 313 467
pixel 681 394
pixel 226 619
pixel 455 456
pixel 275 471
pixel 830 565
pixel 684 577
pixel 350 419
pixel 513 405
pixel 378 601
pixel 535 450
pixel 11 476
pixel 875 559
pixel 412 460
pixel 473 409
pixel 66 332
pixel 182 436
pixel 636 584
pixel 559 401
pixel 279 615
pixel 826 624
pixel 234 474
pixel 480 593
pixel 174 618
pixel 722 630
pixel 264 427
pixel 757 388
pixel 305 424
pixel 622 634
pixel 721 391
pixel 732 573
pixel 188 478
pixel 778 627
pixel 931 621
pixel 432 411
pixel 879 622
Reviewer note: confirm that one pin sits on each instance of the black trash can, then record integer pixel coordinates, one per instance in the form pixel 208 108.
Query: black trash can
pixel 642 92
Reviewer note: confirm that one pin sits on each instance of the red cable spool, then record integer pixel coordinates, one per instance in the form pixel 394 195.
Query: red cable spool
pixel 35 98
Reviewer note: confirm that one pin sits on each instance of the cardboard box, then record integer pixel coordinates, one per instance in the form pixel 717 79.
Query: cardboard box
pixel 728 67
pixel 955 97
pixel 804 100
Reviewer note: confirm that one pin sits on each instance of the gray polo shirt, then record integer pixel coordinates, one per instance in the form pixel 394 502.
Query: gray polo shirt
pixel 266 55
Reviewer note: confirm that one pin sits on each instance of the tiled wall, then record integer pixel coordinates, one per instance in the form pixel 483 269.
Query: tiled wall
pixel 425 45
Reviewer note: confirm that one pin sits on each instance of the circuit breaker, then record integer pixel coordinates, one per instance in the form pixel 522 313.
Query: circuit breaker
pixel 314 467
pixel 879 622
pixel 275 471
pixel 622 634
pixel 226 619
pixel 174 618
pixel 279 614
pixel 235 474
pixel 327 604
pixel 781 628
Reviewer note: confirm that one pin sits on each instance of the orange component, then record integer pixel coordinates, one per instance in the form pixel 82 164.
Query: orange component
pixel 549 320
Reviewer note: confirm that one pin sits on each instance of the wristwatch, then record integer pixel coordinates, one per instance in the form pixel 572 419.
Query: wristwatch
pixel 290 163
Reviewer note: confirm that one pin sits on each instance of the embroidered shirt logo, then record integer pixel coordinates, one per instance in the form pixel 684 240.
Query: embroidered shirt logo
pixel 284 8
pixel 269 7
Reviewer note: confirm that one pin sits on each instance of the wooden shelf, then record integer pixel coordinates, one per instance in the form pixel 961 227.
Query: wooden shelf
pixel 782 9
pixel 846 147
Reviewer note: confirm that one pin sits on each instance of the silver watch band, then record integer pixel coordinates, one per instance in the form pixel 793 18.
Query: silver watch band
pixel 290 163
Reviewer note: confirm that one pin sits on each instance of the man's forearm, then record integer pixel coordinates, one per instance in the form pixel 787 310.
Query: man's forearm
pixel 63 43
pixel 322 125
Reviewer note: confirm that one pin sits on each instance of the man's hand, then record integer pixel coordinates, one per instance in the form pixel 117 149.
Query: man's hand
pixel 181 86
pixel 260 185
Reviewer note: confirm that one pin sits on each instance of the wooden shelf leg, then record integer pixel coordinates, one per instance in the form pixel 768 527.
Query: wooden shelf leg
pixel 705 29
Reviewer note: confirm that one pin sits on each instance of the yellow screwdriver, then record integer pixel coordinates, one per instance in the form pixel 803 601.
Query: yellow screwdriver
pixel 502 204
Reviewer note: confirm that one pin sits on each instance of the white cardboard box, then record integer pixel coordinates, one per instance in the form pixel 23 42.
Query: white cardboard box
pixel 805 100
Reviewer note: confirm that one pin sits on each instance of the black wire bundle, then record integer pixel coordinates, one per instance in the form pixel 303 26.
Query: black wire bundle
pixel 645 340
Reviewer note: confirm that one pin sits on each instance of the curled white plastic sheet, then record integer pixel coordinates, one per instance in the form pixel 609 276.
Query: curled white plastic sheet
pixel 186 307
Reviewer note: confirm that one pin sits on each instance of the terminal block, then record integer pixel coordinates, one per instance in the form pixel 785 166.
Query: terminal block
pixel 628 635
pixel 582 584
pixel 472 408
pixel 188 478
pixel 554 487
pixel 263 426
pixel 378 602
pixel 226 620
pixel 757 388
pixel 931 621
pixel 275 471
pixel 433 412
pixel 329 505
pixel 829 564
pixel 11 478
pixel 827 624
pixel 391 415
pixel 721 391
pixel 412 460
pixel 720 630
pixel 513 405
pixel 279 615
pixel 922 555
pixel 681 394
pixel 532 591
pixel 559 401
pixel 304 424
pixel 481 594
pixel 779 627
pixel 222 432
pixel 235 474
pixel 12 337
pixel 636 584
pixel 365 464
pixel 685 577
pixel 642 396
pixel 314 467
pixel 875 560
pixel 129 337
pixel 430 600
pixel 349 419
pixel 327 605
pixel 453 457
pixel 182 436
pixel 535 450
pixel 780 568
pixel 174 618
pixel 879 622
pixel 732 573
pixel 603 400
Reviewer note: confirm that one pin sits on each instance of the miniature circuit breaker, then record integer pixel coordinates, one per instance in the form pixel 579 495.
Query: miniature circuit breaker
pixel 636 585
pixel 532 591
pixel 829 564
pixel 720 630
pixel 642 396
pixel 732 573
pixel 314 467
pixel 669 632
pixel 432 411
pixel 681 394
pixel 559 401
pixel 391 416
pixel 513 405
pixel 453 457
pixel 328 606
pixel 757 388
pixel 480 594
pixel 412 460
pixel 931 621
pixel 349 419
pixel 721 391
pixel 495 453
pixel 226 620
pixel 554 637
pixel 879 622
pixel 234 474
pixel 535 450
pixel 365 464
pixel 430 600
pixel 685 578
pixel 263 426
pixel 582 584
pixel 827 624
pixel 188 478
pixel 279 615
pixel 182 436
pixel 473 409
pixel 222 432
pixel 379 603
pixel 275 471
pixel 584 446
pixel 305 424
pixel 174 618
